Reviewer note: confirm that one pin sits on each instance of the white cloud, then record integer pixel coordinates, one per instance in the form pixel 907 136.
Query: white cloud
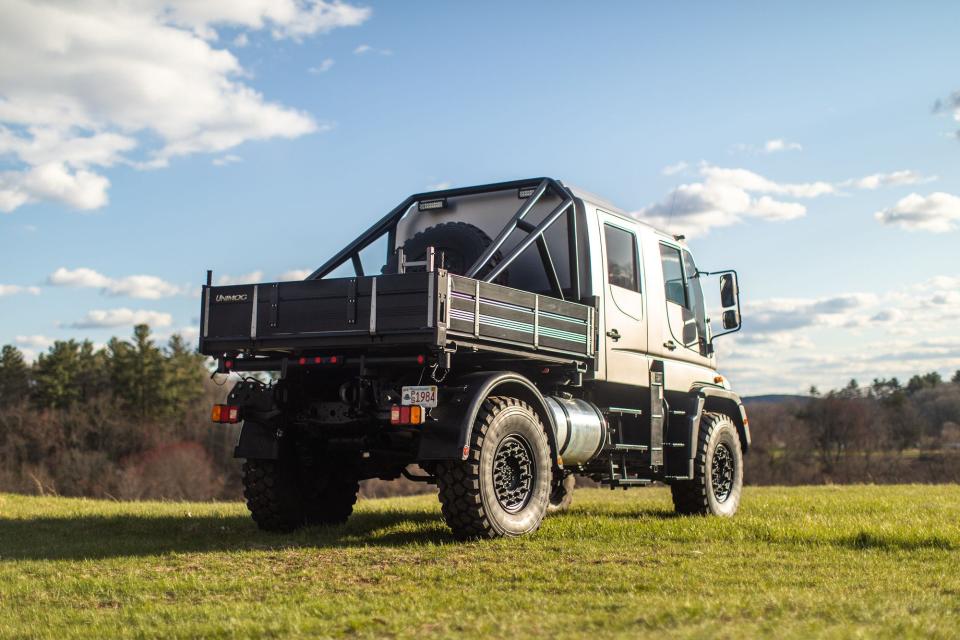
pixel 893 179
pixel 673 169
pixel 295 274
pixel 779 144
pixel 951 105
pixel 223 161
pixel 136 286
pixel 105 318
pixel 364 49
pixel 89 84
pixel 325 65
pixel 774 145
pixel 439 186
pixel 35 341
pixel 790 343
pixel 241 40
pixel 939 212
pixel 246 278
pixel 12 289
pixel 727 196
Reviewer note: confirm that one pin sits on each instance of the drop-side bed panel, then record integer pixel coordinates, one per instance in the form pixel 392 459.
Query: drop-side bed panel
pixel 426 308
pixel 491 312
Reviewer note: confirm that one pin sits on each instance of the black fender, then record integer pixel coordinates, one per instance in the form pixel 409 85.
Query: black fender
pixel 720 400
pixel 258 441
pixel 447 436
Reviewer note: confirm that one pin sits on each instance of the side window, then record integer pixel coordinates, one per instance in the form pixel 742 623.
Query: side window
pixel 697 305
pixel 673 283
pixel 622 262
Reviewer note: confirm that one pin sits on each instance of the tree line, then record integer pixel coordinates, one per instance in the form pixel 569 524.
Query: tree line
pixel 885 432
pixel 131 420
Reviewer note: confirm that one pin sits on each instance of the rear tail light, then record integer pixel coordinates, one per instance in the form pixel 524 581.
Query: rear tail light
pixel 414 414
pixel 225 414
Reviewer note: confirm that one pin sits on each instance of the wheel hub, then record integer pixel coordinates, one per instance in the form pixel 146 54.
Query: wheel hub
pixel 721 473
pixel 513 473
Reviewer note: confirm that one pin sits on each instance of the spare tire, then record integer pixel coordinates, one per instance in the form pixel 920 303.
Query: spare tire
pixel 457 245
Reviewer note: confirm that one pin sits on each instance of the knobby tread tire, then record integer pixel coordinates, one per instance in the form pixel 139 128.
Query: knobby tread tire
pixel 272 496
pixel 334 504
pixel 278 501
pixel 690 497
pixel 459 481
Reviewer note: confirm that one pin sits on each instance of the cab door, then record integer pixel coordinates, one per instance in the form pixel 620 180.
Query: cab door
pixel 625 314
pixel 685 333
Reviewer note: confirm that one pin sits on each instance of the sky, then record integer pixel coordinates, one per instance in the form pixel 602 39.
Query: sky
pixel 814 147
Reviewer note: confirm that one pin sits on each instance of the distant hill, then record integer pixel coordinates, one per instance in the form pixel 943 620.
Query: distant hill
pixel 775 398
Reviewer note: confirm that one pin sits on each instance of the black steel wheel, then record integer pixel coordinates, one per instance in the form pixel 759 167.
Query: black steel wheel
pixel 503 487
pixel 717 482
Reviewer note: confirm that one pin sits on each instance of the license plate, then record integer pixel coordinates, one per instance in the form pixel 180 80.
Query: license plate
pixel 425 396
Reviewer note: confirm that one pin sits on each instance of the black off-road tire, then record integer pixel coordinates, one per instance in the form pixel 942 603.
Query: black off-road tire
pixel 472 505
pixel 717 471
pixel 273 495
pixel 333 502
pixel 281 497
pixel 459 242
pixel 561 495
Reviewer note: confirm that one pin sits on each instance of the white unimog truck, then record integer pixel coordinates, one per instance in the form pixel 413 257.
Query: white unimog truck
pixel 504 338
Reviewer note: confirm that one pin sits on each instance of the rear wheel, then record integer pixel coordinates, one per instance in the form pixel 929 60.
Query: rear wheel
pixel 503 488
pixel 717 471
pixel 282 496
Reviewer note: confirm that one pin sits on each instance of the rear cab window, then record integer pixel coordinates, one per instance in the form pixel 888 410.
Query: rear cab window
pixel 623 264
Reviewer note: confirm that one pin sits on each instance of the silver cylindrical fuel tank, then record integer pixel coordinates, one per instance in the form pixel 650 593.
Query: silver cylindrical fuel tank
pixel 580 429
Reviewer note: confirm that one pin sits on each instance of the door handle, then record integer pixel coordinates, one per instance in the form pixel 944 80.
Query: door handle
pixel 670 344
pixel 613 334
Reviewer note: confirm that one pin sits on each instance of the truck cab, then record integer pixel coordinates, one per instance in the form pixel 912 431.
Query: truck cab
pixel 512 336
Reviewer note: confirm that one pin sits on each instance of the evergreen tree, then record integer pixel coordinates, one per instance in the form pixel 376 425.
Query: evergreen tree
pixel 184 372
pixel 956 377
pixel 926 381
pixel 14 375
pixel 55 375
pixel 136 372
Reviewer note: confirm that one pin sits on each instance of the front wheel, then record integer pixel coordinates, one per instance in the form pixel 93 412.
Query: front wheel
pixel 717 471
pixel 503 488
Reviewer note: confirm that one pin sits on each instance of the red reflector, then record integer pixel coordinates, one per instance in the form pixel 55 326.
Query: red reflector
pixel 421 359
pixel 395 414
pixel 404 415
pixel 228 364
pixel 333 359
pixel 317 360
pixel 303 361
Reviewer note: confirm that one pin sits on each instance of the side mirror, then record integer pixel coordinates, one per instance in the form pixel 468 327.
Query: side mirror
pixel 728 293
pixel 731 319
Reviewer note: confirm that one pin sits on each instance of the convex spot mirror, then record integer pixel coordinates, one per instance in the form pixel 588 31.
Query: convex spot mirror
pixel 731 319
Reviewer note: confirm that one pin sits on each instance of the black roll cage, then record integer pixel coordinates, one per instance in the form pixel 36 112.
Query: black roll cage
pixel 388 226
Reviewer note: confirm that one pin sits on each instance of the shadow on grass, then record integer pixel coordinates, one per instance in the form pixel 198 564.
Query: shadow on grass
pixel 92 536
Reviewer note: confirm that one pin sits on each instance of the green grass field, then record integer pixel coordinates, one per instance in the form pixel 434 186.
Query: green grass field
pixel 861 561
